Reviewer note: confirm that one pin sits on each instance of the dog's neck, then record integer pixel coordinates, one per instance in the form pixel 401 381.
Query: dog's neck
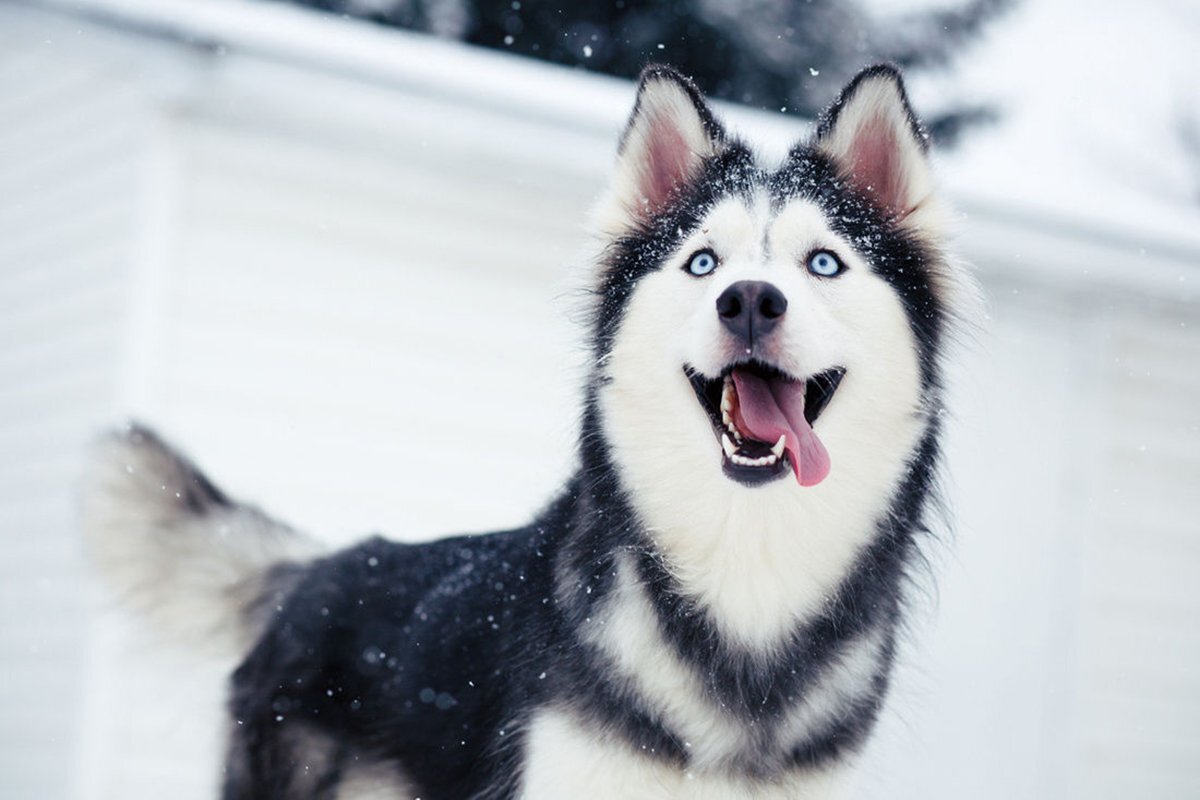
pixel 758 562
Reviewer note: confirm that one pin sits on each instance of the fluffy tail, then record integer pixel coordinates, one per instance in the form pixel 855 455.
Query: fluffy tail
pixel 175 548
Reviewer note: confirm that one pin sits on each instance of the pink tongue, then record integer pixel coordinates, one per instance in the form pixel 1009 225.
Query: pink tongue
pixel 768 409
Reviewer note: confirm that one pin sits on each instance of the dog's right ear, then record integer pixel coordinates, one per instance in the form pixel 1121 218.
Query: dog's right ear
pixel 669 135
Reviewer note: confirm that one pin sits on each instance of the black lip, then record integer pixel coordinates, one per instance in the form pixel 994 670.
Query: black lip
pixel 819 390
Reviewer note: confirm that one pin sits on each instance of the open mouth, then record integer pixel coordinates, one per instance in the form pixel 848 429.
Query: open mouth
pixel 764 420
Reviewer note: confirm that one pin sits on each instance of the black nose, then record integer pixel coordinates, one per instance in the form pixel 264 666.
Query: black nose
pixel 750 309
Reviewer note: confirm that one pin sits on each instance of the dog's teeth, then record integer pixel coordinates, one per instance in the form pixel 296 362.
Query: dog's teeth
pixel 777 448
pixel 727 395
pixel 727 445
pixel 745 461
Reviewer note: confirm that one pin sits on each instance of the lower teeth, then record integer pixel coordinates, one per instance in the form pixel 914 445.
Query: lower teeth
pixel 753 462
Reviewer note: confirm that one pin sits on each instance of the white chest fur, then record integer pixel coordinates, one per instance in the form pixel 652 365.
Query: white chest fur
pixel 567 760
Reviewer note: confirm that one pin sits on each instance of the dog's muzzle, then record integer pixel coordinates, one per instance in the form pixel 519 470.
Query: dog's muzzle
pixel 764 418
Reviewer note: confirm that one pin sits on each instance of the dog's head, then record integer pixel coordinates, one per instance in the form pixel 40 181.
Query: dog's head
pixel 756 323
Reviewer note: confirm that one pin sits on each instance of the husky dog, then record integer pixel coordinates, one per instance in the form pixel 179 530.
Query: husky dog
pixel 709 608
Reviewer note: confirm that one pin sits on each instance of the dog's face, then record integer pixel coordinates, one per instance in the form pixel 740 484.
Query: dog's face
pixel 769 329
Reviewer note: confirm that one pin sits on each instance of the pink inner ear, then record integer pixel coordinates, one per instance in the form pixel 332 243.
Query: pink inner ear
pixel 877 163
pixel 668 162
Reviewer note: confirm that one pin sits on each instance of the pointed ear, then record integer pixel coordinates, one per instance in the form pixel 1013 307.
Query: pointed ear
pixel 873 136
pixel 670 133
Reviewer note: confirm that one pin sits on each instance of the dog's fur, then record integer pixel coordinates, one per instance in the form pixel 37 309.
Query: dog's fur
pixel 672 625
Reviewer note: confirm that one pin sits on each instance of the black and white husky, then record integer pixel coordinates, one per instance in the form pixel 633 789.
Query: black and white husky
pixel 710 607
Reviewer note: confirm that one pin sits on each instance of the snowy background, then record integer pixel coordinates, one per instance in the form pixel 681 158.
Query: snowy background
pixel 225 218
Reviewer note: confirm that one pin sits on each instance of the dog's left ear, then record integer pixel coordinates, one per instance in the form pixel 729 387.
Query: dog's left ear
pixel 669 135
pixel 875 139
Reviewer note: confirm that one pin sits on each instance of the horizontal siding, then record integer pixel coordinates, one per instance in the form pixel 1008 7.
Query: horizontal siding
pixel 1140 681
pixel 390 312
pixel 68 136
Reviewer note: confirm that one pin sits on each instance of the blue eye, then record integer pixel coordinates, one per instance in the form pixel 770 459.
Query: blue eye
pixel 825 264
pixel 702 263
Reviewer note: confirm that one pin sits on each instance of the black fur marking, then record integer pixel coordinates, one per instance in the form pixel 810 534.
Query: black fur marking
pixel 199 494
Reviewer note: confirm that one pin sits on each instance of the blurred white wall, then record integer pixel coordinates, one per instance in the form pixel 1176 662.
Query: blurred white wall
pixel 339 266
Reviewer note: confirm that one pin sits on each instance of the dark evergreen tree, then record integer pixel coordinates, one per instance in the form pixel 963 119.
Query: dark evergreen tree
pixel 789 55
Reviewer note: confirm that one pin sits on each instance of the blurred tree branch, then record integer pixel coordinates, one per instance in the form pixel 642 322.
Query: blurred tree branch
pixel 784 55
